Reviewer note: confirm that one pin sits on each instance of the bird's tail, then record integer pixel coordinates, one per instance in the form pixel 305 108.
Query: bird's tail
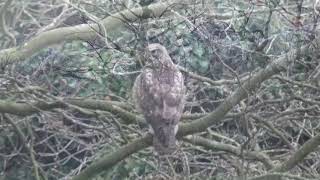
pixel 164 141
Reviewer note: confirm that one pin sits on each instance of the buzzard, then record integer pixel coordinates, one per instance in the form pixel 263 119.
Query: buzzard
pixel 159 94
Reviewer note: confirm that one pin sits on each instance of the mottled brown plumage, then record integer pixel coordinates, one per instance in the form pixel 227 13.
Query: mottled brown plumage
pixel 159 94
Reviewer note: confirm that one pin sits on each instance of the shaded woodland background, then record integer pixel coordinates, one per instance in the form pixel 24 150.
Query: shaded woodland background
pixel 251 68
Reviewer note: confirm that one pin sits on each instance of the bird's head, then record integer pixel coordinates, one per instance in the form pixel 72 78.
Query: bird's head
pixel 158 55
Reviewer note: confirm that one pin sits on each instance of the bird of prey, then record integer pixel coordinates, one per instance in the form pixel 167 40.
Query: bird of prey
pixel 159 94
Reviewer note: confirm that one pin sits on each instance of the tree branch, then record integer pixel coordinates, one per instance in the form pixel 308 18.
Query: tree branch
pixel 25 109
pixel 277 176
pixel 197 140
pixel 299 155
pixel 111 159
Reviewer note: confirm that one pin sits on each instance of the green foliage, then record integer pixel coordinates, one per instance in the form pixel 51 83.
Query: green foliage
pixel 199 60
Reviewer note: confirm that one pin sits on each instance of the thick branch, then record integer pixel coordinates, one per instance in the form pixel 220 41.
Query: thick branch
pixel 111 159
pixel 110 106
pixel 299 155
pixel 216 146
pixel 24 109
pixel 277 176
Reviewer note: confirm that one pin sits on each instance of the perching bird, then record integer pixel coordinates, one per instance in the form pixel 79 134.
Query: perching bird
pixel 159 94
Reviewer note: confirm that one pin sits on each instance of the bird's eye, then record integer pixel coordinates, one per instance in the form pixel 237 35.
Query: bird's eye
pixel 154 53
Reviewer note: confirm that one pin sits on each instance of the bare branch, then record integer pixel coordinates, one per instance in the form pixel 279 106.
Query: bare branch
pixel 216 146
pixel 299 155
pixel 111 159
